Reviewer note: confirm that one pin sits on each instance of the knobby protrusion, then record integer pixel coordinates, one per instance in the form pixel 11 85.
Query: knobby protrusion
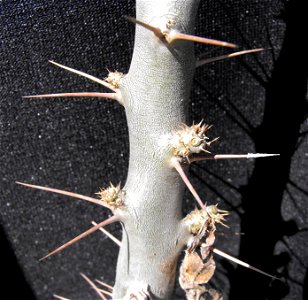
pixel 191 140
pixel 82 235
pixel 167 34
pixel 112 196
pixel 186 141
pixel 196 219
pixel 114 78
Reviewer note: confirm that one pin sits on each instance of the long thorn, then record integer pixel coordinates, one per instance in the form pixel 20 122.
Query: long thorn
pixel 236 260
pixel 105 292
pixel 173 36
pixel 202 62
pixel 104 284
pixel 113 238
pixel 176 164
pixel 155 30
pixel 82 235
pixel 100 81
pixel 91 283
pixel 231 156
pixel 70 194
pixel 113 96
pixel 59 297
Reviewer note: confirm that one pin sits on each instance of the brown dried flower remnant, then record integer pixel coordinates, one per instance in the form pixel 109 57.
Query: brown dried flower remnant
pixel 114 78
pixel 195 271
pixel 190 140
pixel 112 196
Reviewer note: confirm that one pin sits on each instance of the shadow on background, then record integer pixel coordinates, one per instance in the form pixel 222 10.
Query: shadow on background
pixel 12 280
pixel 285 110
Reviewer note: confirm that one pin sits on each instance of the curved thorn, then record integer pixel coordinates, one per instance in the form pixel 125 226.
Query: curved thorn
pixel 82 235
pixel 236 260
pixel 91 283
pixel 176 164
pixel 174 35
pixel 95 79
pixel 231 156
pixel 108 234
pixel 70 194
pixel 113 96
pixel 231 55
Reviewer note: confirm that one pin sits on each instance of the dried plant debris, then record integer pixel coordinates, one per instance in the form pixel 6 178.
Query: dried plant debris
pixel 112 196
pixel 191 139
pixel 195 273
pixel 197 269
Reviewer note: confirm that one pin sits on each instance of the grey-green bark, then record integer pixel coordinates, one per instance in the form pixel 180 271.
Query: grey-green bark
pixel 155 93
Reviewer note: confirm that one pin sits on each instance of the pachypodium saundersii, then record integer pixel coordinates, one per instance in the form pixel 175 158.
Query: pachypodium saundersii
pixel 155 94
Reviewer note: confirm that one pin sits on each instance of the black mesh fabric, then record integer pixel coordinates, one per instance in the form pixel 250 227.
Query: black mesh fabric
pixel 257 103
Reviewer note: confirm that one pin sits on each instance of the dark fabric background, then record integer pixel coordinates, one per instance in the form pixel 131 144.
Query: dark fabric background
pixel 257 104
